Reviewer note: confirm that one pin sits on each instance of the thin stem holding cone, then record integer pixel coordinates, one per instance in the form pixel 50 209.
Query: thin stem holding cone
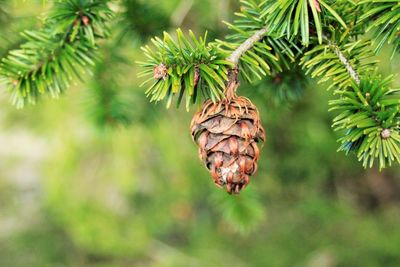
pixel 233 83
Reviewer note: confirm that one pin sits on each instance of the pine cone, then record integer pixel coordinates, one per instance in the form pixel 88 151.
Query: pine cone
pixel 227 133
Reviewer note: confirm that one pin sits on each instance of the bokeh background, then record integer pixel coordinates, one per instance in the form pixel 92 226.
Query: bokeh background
pixel 78 189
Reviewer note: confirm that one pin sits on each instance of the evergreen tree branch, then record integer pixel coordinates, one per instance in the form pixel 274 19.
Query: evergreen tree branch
pixel 384 17
pixel 61 50
pixel 300 17
pixel 270 54
pixel 191 69
pixel 339 60
pixel 246 45
pixel 353 73
pixel 370 118
pixel 369 108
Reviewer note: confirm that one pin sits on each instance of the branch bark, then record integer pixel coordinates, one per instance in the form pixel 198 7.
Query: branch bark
pixel 353 73
pixel 246 45
pixel 233 82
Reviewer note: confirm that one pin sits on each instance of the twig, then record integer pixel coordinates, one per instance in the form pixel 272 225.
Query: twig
pixel 246 45
pixel 233 82
pixel 353 73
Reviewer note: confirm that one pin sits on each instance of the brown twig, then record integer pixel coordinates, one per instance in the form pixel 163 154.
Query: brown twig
pixel 246 45
pixel 233 82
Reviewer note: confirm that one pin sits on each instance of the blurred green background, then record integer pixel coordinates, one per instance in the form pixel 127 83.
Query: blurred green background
pixel 74 192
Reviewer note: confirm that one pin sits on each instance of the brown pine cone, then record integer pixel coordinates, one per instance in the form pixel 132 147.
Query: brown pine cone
pixel 227 133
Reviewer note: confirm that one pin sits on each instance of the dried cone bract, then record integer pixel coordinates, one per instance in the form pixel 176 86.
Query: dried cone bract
pixel 228 133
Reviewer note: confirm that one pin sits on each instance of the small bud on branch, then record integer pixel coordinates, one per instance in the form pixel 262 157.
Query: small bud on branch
pixel 160 72
pixel 386 133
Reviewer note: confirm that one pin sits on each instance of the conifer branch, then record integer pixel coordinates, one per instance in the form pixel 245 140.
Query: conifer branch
pixel 353 73
pixel 233 83
pixel 339 60
pixel 383 17
pixel 189 68
pixel 267 39
pixel 64 48
pixel 246 45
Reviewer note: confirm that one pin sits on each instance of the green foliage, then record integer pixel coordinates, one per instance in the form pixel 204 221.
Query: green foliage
pixel 59 52
pixel 330 49
pixel 370 116
pixel 129 197
pixel 194 69
pixel 326 37
pixel 326 61
pixel 366 109
pixel 292 18
pixel 151 204
pixel 269 54
pixel 386 22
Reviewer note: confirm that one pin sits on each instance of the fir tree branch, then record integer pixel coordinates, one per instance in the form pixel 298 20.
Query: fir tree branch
pixel 353 73
pixel 304 18
pixel 269 54
pixel 189 68
pixel 339 60
pixel 369 109
pixel 383 17
pixel 369 116
pixel 62 49
pixel 246 45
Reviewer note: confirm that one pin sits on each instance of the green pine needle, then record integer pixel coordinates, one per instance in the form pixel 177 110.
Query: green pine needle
pixel 193 68
pixel 369 115
pixel 65 48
